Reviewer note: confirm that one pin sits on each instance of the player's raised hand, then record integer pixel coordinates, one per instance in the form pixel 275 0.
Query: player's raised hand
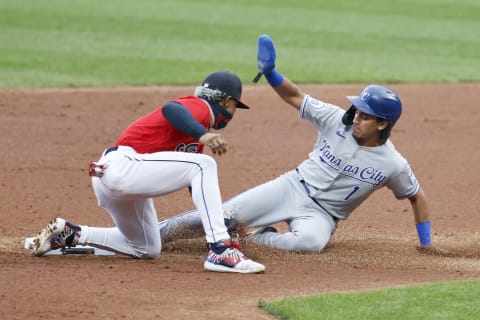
pixel 215 141
pixel 266 56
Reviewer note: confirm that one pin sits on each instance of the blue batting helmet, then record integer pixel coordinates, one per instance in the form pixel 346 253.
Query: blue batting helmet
pixel 378 101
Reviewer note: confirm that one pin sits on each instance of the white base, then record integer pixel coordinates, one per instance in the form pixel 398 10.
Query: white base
pixel 76 250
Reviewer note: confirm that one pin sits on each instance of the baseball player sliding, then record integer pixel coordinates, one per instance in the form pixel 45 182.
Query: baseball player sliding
pixel 351 158
pixel 157 154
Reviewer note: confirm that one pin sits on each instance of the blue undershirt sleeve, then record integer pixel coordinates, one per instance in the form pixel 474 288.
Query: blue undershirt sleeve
pixel 181 119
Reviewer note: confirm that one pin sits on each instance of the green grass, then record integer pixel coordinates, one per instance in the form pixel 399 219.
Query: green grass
pixel 446 300
pixel 151 42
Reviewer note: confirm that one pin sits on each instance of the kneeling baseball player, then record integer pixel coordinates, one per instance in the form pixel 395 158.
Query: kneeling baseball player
pixel 157 154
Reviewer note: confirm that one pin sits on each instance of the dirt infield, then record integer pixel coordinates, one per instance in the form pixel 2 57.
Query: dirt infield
pixel 49 136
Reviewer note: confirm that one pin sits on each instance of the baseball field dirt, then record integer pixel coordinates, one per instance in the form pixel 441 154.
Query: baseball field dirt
pixel 49 136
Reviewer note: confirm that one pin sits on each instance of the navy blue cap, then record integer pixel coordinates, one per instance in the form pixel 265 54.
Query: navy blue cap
pixel 227 82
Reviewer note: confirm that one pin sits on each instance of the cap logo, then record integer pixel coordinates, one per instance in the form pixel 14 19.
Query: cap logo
pixel 365 95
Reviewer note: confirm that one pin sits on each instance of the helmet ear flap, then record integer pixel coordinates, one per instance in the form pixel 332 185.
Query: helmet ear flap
pixel 347 118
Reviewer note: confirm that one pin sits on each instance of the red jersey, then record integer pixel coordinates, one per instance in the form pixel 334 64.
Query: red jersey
pixel 153 133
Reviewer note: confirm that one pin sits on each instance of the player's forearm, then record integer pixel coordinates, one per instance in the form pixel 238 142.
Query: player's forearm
pixel 421 212
pixel 422 215
pixel 266 60
pixel 290 93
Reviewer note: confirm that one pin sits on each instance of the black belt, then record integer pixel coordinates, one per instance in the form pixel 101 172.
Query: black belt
pixel 307 190
pixel 110 150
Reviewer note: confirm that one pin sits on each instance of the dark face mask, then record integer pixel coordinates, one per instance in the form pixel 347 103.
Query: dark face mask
pixel 222 116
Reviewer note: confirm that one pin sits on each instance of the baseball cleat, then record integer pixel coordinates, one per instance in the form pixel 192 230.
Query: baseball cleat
pixel 231 259
pixel 58 234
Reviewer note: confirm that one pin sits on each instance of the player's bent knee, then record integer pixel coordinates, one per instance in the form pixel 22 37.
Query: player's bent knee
pixel 207 162
pixel 311 243
pixel 147 253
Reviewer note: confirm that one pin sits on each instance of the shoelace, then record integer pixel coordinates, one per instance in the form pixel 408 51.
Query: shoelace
pixel 237 246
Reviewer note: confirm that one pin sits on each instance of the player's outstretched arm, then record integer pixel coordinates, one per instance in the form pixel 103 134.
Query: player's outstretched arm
pixel 266 58
pixel 290 93
pixel 421 214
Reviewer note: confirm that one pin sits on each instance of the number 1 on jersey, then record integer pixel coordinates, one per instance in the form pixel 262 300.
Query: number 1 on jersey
pixel 355 189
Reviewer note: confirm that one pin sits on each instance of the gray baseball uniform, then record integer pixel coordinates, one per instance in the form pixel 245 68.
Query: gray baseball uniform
pixel 337 177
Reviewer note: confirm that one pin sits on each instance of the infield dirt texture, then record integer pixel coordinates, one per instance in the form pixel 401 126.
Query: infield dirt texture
pixel 49 136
